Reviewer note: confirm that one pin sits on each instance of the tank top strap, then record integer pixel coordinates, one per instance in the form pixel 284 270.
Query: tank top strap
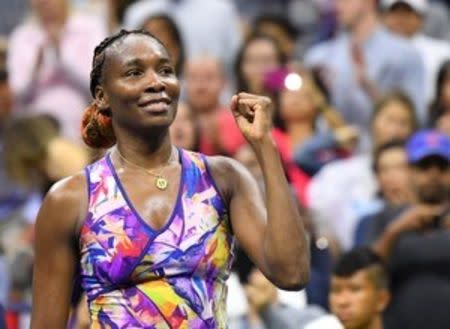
pixel 200 181
pixel 103 191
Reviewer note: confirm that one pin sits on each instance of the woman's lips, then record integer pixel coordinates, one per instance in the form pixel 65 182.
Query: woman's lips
pixel 155 107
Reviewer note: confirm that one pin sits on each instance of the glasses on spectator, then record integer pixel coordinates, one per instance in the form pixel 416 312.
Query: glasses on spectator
pixel 433 162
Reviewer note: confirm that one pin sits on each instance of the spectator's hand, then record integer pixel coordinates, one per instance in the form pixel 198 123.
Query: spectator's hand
pixel 417 218
pixel 253 116
pixel 347 137
pixel 260 292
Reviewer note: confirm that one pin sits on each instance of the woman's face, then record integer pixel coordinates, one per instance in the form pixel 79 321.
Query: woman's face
pixel 160 28
pixel 298 105
pixel 259 58
pixel 139 85
pixel 183 129
pixel 394 176
pixel 393 121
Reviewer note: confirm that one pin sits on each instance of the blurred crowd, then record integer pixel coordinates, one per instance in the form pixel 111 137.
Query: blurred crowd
pixel 361 94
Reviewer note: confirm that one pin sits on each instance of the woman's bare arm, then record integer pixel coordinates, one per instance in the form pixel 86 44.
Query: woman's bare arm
pixel 55 252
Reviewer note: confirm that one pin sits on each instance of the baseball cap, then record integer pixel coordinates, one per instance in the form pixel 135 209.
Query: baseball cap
pixel 419 6
pixel 427 143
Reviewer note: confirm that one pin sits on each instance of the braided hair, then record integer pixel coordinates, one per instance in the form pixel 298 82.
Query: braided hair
pixel 96 125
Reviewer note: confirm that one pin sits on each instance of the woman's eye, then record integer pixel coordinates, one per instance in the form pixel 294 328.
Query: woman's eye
pixel 167 70
pixel 133 73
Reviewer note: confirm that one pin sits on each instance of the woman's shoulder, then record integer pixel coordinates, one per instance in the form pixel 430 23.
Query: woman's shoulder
pixel 64 206
pixel 68 191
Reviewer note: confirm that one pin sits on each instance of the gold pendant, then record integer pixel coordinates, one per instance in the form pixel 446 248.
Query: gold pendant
pixel 161 183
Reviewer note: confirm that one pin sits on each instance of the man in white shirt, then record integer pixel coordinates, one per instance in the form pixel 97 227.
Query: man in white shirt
pixel 406 18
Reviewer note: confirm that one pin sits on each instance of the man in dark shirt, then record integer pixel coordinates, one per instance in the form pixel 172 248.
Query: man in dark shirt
pixel 415 240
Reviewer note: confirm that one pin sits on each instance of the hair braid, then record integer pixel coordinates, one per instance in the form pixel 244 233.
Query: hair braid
pixel 96 125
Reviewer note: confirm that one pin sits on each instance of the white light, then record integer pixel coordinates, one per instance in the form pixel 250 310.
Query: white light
pixel 293 82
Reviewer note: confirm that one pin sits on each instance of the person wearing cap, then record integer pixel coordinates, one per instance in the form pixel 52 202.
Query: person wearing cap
pixel 414 240
pixel 406 18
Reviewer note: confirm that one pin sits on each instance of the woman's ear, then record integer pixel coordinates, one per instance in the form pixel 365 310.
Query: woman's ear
pixel 101 99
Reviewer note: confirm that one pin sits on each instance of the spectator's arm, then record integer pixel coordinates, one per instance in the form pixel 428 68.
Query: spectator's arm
pixel 307 155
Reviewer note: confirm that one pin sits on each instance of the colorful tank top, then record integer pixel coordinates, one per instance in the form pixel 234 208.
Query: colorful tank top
pixel 137 277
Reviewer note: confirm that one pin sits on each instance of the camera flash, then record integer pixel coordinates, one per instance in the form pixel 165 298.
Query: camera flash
pixel 293 81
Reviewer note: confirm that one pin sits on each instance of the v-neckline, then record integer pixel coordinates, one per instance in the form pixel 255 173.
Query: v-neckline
pixel 131 205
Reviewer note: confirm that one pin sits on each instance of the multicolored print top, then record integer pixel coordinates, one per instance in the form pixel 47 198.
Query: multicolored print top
pixel 136 277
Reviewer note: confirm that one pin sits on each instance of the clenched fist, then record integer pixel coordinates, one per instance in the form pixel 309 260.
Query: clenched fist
pixel 253 116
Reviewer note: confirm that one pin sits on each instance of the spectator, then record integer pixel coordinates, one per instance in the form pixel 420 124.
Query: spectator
pixel 359 290
pixel 49 62
pixel 337 213
pixel 267 310
pixel 205 80
pixel 440 108
pixel 406 18
pixel 358 69
pixel 258 55
pixel 414 240
pixel 302 106
pixel 279 28
pixel 159 21
pixel 116 13
pixel 390 165
pixel 36 154
pixel 207 27
pixel 184 129
pixel 11 196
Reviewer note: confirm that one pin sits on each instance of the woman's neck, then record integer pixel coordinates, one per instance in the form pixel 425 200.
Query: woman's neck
pixel 141 152
pixel 299 132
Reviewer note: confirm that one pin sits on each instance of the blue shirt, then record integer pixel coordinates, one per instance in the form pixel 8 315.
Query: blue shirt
pixel 392 63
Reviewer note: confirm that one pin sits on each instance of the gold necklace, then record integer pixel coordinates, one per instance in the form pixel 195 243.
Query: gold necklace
pixel 160 181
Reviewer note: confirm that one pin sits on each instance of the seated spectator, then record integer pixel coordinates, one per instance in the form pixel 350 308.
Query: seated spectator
pixel 184 129
pixel 49 62
pixel 37 155
pixel 414 240
pixel 266 308
pixel 280 28
pixel 359 291
pixel 390 165
pixel 205 80
pixel 116 13
pixel 207 27
pixel 258 55
pixel 364 62
pixel 302 107
pixel 439 116
pixel 159 22
pixel 12 197
pixel 344 190
pixel 406 18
